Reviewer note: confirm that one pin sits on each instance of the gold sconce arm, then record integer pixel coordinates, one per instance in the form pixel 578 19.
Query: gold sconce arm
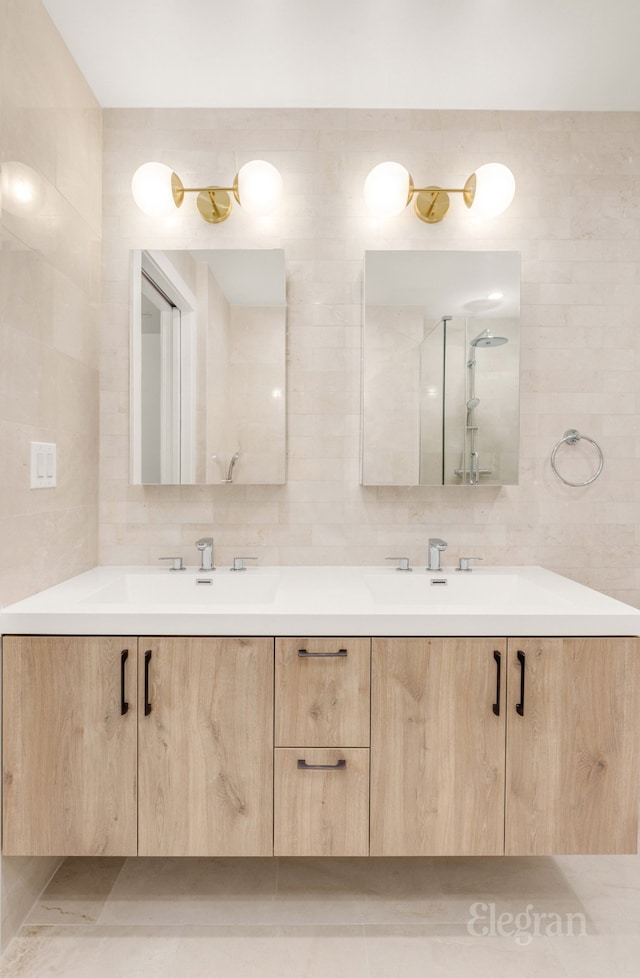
pixel 432 203
pixel 389 188
pixel 257 186
pixel 214 203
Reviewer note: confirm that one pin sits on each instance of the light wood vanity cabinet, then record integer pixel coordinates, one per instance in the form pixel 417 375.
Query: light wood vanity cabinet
pixel 174 757
pixel 165 746
pixel 69 746
pixel 437 746
pixel 573 759
pixel 205 747
pixel 322 723
pixel 554 770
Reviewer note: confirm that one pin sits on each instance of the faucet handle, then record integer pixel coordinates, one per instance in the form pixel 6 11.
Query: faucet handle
pixel 403 563
pixel 238 563
pixel 463 563
pixel 176 563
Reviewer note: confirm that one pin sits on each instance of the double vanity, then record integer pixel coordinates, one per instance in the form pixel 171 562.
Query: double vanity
pixel 312 711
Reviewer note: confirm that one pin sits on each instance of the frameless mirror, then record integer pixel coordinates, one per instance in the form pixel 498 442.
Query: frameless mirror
pixel 441 364
pixel 208 335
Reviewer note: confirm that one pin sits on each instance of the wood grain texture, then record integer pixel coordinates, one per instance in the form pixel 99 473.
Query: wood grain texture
pixel 206 749
pixel 69 777
pixel 437 748
pixel 321 812
pixel 572 759
pixel 323 701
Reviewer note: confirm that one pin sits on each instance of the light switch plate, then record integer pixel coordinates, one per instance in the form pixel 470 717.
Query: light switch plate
pixel 43 465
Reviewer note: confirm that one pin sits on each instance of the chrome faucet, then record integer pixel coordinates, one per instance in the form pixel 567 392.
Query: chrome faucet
pixel 205 546
pixel 436 547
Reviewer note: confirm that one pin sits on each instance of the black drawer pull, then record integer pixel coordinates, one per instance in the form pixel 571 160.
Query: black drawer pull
pixel 340 766
pixel 124 706
pixel 147 704
pixel 496 705
pixel 520 705
pixel 303 654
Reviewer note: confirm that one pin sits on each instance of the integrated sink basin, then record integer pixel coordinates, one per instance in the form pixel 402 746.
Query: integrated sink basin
pixel 317 601
pixel 474 591
pixel 187 588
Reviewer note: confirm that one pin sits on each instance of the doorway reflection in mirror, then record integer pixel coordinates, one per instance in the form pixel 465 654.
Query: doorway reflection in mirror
pixel 208 367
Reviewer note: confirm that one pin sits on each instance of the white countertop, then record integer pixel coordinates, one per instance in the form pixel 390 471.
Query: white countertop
pixel 305 601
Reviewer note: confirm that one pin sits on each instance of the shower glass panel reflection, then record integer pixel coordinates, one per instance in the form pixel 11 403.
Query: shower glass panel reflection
pixel 468 395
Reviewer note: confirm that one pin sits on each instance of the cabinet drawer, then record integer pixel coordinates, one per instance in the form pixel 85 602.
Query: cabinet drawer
pixel 323 692
pixel 321 802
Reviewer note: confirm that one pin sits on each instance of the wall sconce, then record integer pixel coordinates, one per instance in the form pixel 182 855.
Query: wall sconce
pixel 389 189
pixel 257 187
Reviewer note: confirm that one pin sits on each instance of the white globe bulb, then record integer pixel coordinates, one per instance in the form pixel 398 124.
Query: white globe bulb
pixel 495 189
pixel 386 189
pixel 259 187
pixel 151 189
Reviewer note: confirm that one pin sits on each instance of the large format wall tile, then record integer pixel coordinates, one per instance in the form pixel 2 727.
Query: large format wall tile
pixel 49 303
pixel 51 134
pixel 580 246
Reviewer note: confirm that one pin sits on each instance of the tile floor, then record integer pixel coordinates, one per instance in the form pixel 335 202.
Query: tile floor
pixel 568 917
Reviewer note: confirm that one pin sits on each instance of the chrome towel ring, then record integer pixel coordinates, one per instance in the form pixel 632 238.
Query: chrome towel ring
pixel 571 437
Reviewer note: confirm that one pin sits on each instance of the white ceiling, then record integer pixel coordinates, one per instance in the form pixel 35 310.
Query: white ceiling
pixel 447 54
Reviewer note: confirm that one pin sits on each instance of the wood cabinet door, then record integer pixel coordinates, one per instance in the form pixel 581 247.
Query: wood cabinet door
pixel 572 746
pixel 205 747
pixel 323 692
pixel 69 746
pixel 321 805
pixel 437 746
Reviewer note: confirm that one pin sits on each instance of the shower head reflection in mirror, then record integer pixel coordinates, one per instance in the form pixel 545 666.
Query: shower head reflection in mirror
pixel 470 465
pixel 486 338
pixel 430 315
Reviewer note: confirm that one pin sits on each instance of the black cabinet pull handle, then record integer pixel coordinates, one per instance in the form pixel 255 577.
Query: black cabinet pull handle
pixel 520 705
pixel 124 706
pixel 496 705
pixel 147 704
pixel 303 766
pixel 303 654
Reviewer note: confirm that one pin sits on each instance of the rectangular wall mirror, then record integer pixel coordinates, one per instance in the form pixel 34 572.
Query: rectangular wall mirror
pixel 441 364
pixel 208 367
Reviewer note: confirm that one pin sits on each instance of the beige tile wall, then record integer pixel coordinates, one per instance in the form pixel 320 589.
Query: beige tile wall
pixel 575 221
pixel 49 294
